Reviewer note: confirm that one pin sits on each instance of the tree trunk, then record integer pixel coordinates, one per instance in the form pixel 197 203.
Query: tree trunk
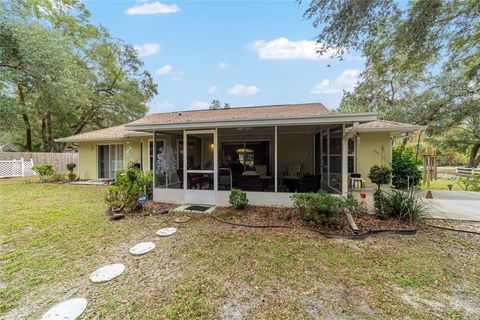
pixel 28 133
pixel 28 127
pixel 474 156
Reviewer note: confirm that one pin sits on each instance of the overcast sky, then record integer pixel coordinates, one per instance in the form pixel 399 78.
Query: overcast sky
pixel 240 52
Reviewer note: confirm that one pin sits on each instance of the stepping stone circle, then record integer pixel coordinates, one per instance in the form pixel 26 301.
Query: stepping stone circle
pixel 165 232
pixel 142 248
pixel 66 310
pixel 107 273
pixel 182 219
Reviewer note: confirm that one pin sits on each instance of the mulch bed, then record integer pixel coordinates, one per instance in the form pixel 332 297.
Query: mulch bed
pixel 472 226
pixel 255 215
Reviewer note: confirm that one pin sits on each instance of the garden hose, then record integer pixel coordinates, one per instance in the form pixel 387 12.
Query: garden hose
pixel 361 236
pixel 249 225
pixel 452 229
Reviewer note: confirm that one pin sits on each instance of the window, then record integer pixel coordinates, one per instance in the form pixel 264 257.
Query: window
pixel 109 160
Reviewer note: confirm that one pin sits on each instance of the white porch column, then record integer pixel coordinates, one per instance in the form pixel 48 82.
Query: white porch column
pixel 275 169
pixel 185 143
pixel 344 162
pixel 215 162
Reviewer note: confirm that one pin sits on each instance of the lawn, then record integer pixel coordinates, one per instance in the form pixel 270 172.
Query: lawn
pixel 442 184
pixel 53 236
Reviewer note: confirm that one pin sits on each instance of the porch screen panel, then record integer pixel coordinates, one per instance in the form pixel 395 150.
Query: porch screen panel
pixel 246 159
pixel 167 159
pixel 335 159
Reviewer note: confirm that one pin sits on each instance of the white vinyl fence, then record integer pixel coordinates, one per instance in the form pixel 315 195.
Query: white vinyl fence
pixel 16 168
pixel 464 170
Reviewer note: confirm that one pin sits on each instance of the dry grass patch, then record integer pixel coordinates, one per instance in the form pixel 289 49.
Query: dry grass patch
pixel 53 236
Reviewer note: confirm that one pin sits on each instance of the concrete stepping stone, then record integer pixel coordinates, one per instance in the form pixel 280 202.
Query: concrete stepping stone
pixel 107 273
pixel 66 310
pixel 182 219
pixel 165 232
pixel 142 248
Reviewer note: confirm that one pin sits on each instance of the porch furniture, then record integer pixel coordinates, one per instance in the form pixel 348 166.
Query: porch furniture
pixel 250 181
pixel 261 169
pixel 224 179
pixel 357 183
pixel 294 170
pixel 308 183
pixel 265 182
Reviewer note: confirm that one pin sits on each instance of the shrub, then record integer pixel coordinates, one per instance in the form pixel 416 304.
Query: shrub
pixel 320 208
pixel 71 176
pixel 405 172
pixel 43 169
pixel 128 184
pixel 469 183
pixel 380 175
pixel 404 206
pixel 379 205
pixel 238 199
pixel 353 205
pixel 71 166
pixel 54 177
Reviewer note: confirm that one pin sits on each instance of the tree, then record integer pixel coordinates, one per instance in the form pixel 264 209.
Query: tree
pixel 216 104
pixel 422 60
pixel 60 75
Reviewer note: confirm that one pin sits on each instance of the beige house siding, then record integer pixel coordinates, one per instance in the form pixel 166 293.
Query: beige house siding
pixel 373 149
pixel 88 155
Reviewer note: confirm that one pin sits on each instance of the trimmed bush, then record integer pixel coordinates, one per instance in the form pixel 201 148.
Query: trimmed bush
pixel 380 175
pixel 320 209
pixel 43 169
pixel 403 206
pixel 238 199
pixel 379 205
pixel 405 172
pixel 70 167
pixel 128 184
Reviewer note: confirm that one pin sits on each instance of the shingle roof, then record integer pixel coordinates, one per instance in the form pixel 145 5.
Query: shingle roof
pixel 238 113
pixel 385 125
pixel 112 133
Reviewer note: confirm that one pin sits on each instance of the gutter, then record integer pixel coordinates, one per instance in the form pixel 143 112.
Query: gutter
pixel 325 119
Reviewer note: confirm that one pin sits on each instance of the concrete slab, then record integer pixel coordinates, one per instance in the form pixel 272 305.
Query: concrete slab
pixel 454 209
pixel 67 310
pixel 165 232
pixel 142 248
pixel 107 273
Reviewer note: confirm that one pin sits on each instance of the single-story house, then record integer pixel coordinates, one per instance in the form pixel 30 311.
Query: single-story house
pixel 268 151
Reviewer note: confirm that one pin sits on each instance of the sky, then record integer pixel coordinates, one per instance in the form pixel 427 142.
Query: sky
pixel 243 53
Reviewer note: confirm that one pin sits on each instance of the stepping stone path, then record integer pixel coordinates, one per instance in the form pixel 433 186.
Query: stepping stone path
pixel 165 232
pixel 67 310
pixel 142 248
pixel 107 273
pixel 182 219
pixel 73 308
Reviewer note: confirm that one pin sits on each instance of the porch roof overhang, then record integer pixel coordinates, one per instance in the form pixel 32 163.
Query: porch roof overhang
pixel 266 122
pixel 385 126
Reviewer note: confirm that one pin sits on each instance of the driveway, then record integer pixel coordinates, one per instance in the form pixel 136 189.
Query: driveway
pixel 455 205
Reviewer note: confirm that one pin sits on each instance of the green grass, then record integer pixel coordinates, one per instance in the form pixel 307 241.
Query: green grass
pixel 442 184
pixel 53 236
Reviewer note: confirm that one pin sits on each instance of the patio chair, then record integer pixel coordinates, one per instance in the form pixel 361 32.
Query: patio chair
pixel 308 183
pixel 251 182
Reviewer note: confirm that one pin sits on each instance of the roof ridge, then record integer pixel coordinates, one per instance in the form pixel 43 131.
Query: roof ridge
pixel 247 107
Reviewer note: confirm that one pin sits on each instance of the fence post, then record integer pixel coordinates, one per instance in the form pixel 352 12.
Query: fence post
pixel 23 168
